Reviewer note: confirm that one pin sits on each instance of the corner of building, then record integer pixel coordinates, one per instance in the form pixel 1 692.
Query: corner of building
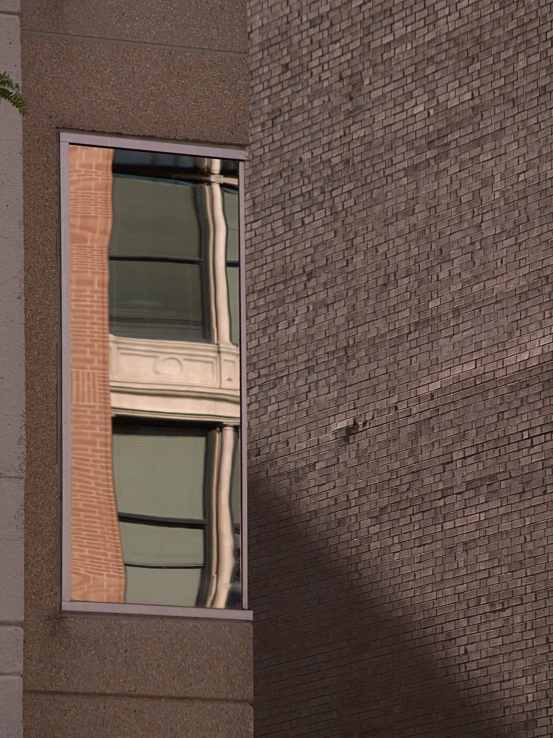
pixel 12 386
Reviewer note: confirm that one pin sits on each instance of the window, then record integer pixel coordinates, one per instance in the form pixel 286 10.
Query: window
pixel 152 400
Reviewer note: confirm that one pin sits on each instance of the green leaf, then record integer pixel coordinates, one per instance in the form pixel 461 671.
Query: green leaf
pixel 10 91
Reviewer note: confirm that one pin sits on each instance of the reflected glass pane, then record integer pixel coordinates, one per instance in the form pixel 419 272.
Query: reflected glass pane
pixel 159 471
pixel 159 546
pixel 233 293
pixel 155 300
pixel 154 217
pixel 170 586
pixel 230 205
pixel 155 378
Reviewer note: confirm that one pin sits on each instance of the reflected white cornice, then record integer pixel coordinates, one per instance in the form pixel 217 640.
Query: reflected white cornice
pixel 175 378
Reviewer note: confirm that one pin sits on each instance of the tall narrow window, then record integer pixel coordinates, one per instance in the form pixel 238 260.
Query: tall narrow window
pixel 152 454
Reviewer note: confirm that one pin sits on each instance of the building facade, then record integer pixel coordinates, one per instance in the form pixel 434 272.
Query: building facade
pixel 142 73
pixel 399 312
pixel 398 319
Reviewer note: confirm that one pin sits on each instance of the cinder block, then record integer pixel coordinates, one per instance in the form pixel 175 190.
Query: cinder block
pixel 11 707
pixel 11 650
pixel 11 550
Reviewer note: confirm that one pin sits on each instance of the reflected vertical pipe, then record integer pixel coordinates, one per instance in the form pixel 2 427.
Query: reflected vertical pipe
pixel 225 533
pixel 220 259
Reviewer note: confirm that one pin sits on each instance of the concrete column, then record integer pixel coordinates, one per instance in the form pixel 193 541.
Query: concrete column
pixel 12 386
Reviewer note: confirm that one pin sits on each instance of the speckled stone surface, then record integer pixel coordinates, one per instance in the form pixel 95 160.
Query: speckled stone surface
pixel 164 657
pixel 9 6
pixel 135 91
pixel 210 24
pixel 51 716
pixel 139 92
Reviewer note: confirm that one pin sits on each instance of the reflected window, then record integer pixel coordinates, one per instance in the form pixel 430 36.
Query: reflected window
pixel 230 206
pixel 156 257
pixel 154 362
pixel 169 478
pixel 155 261
pixel 160 486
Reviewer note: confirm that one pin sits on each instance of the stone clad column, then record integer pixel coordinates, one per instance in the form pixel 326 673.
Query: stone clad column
pixel 12 388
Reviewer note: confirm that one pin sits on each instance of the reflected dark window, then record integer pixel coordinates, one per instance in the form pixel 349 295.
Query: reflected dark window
pixel 230 207
pixel 162 246
pixel 166 486
pixel 159 475
pixel 156 261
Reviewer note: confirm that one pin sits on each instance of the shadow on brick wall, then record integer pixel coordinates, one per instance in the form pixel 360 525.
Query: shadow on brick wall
pixel 336 656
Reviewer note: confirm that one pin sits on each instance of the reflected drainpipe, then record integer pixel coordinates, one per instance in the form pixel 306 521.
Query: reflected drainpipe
pixel 225 533
pixel 220 258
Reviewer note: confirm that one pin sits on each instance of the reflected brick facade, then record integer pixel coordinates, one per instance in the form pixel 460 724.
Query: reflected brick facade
pixel 399 262
pixel 97 571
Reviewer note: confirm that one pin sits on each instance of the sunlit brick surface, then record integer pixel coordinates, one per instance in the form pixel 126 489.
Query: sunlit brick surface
pixel 399 334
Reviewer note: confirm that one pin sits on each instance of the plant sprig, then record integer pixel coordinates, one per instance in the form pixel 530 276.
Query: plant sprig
pixel 10 91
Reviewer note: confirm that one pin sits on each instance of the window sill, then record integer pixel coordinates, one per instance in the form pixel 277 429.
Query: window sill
pixel 196 613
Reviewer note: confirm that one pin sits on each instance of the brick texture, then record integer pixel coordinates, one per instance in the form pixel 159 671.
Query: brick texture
pixel 97 570
pixel 399 333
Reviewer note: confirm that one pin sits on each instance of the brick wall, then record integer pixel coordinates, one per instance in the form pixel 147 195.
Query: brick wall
pixel 97 571
pixel 399 312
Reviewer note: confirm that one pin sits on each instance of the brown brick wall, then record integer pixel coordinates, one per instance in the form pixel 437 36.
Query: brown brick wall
pixel 97 571
pixel 399 313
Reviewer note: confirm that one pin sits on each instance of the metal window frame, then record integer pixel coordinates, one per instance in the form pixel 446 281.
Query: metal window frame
pixel 138 144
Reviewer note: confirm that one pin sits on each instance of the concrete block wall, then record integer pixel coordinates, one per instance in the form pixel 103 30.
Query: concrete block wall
pixel 12 386
pixel 399 312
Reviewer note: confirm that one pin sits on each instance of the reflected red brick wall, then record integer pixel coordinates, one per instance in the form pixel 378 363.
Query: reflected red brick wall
pixel 97 570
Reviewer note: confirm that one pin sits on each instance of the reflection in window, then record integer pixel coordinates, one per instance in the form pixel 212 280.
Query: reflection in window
pixel 155 378
pixel 230 207
pixel 170 479
pixel 156 262
pixel 160 486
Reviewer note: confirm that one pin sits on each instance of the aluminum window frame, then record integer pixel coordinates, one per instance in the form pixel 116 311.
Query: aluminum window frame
pixel 66 138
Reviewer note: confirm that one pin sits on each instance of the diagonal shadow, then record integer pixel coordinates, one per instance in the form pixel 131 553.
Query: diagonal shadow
pixel 332 655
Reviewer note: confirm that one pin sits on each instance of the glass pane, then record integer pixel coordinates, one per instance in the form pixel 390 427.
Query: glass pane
pixel 154 218
pixel 159 472
pixel 156 545
pixel 234 305
pixel 235 483
pixel 128 160
pixel 230 205
pixel 155 300
pixel 162 586
pixel 155 378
